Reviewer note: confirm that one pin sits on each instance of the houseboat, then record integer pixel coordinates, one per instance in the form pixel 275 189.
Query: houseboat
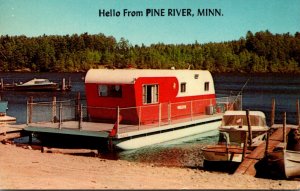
pixel 158 105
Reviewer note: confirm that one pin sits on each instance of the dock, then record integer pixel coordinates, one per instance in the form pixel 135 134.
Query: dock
pixel 71 117
pixel 276 138
pixel 10 131
pixel 102 130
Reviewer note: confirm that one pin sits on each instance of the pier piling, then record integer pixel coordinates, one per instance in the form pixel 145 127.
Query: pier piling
pixel 29 108
pixel 298 113
pixel 267 143
pixel 284 127
pixel 272 112
pixel 249 127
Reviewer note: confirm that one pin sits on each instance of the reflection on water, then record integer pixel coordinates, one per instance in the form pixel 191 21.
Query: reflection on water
pixel 184 152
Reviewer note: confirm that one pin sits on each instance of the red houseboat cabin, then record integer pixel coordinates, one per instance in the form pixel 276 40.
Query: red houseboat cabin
pixel 147 96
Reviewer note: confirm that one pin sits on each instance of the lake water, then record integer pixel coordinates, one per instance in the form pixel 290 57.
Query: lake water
pixel 257 95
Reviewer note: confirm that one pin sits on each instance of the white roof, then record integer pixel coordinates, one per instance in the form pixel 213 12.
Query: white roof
pixel 127 76
pixel 194 79
pixel 257 113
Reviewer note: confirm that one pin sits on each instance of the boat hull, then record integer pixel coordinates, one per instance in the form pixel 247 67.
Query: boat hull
pixel 291 163
pixel 48 87
pixel 286 162
pixel 230 153
pixel 160 137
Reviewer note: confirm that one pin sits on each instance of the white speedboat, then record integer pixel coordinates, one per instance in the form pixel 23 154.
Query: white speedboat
pixel 37 85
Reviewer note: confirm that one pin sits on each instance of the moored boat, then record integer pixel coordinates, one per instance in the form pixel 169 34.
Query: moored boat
pixel 286 162
pixel 230 146
pixel 37 85
pixel 291 163
pixel 133 108
pixel 177 102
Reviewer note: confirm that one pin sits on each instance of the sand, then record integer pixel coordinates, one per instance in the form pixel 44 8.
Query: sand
pixel 30 169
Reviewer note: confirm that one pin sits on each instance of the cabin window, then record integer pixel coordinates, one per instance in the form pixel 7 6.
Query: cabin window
pixel 206 86
pixel 150 94
pixel 183 87
pixel 110 90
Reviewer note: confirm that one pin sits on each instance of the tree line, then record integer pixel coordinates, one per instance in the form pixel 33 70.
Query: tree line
pixel 255 53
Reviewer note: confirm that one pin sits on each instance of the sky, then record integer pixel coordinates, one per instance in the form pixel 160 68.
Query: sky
pixel 62 17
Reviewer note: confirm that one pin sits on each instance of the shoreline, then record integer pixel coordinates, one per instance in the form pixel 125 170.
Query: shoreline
pixel 30 169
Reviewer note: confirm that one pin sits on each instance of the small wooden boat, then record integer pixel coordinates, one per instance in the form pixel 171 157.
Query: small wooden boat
pixel 291 163
pixel 287 162
pixel 37 85
pixel 223 152
pixel 233 134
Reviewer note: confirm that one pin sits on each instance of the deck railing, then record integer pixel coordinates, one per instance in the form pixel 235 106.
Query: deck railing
pixel 137 118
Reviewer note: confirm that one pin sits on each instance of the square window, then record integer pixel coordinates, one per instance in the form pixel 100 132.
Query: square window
pixel 110 90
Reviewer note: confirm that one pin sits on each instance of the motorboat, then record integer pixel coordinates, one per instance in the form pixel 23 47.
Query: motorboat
pixel 37 84
pixel 234 125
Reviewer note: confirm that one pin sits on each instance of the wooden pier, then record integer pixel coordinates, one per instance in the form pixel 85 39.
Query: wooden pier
pixel 102 130
pixel 247 166
pixel 10 131
pixel 276 138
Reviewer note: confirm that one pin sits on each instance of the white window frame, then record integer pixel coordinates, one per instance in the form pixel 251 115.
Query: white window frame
pixel 154 91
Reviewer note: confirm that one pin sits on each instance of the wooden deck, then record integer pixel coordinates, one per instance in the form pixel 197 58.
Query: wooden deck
pixel 247 166
pixel 72 128
pixel 95 129
pixel 9 131
pixel 7 119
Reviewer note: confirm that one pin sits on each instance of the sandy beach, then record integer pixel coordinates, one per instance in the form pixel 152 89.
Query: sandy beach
pixel 30 169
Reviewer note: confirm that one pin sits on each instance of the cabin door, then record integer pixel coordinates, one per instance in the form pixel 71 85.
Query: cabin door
pixel 150 94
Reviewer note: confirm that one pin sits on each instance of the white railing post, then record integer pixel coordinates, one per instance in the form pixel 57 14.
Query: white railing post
pixel 159 114
pixel 53 109
pixel 30 108
pixel 118 118
pixel 27 112
pixel 80 118
pixel 191 110
pixel 60 116
pixel 140 115
pixel 169 113
pixel 227 105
